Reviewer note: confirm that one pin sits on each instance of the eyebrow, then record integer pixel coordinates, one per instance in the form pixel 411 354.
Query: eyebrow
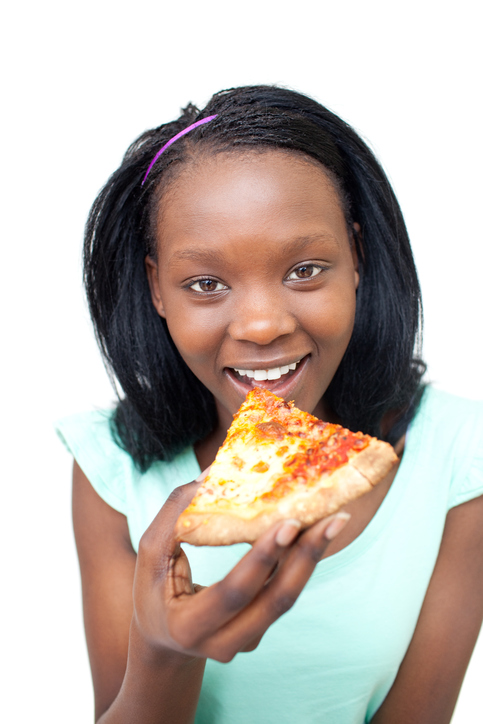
pixel 208 256
pixel 195 254
pixel 301 242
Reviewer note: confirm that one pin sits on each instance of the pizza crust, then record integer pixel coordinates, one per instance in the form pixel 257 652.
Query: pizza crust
pixel 223 529
pixel 375 461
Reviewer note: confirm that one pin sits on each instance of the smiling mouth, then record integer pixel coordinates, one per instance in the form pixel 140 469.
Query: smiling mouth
pixel 268 374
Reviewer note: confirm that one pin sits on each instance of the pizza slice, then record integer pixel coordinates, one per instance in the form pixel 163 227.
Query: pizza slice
pixel 280 462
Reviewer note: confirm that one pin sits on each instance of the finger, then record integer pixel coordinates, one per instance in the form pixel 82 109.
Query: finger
pixel 302 558
pixel 180 575
pixel 201 616
pixel 281 592
pixel 252 645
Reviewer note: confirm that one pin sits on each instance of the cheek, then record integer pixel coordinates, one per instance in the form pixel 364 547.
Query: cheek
pixel 332 319
pixel 195 334
pixel 342 318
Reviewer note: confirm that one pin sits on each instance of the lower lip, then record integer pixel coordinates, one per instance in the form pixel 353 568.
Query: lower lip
pixel 282 387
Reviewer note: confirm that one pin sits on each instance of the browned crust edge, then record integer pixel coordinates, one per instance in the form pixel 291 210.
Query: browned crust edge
pixel 375 461
pixel 309 505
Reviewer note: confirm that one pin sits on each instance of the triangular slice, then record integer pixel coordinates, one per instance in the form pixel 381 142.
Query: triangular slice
pixel 280 462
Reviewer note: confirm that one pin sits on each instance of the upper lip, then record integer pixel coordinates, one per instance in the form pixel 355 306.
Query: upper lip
pixel 266 365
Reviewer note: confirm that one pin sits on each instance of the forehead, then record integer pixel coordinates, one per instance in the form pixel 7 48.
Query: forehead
pixel 275 193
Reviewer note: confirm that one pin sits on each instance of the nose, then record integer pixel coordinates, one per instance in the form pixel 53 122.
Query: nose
pixel 260 318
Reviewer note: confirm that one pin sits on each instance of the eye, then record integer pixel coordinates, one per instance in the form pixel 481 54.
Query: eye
pixel 305 271
pixel 207 285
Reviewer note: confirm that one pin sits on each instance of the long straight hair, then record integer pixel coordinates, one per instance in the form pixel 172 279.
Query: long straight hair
pixel 164 407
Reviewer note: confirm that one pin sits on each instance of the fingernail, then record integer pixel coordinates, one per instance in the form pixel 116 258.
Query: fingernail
pixel 287 532
pixel 203 475
pixel 335 526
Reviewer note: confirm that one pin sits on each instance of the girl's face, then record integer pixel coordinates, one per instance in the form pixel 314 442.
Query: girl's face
pixel 256 276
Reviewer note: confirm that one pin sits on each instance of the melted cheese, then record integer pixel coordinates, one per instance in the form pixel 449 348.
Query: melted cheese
pixel 262 468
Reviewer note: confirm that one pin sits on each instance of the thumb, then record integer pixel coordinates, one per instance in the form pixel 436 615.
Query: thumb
pixel 159 539
pixel 182 496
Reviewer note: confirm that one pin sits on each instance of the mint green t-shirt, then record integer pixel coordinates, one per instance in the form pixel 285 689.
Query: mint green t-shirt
pixel 334 656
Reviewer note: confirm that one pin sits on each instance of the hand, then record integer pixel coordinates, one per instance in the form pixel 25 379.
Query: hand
pixel 217 622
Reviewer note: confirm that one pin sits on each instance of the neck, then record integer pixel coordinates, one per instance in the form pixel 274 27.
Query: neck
pixel 206 449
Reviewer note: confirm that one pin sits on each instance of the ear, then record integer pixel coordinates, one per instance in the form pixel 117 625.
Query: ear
pixel 356 240
pixel 153 280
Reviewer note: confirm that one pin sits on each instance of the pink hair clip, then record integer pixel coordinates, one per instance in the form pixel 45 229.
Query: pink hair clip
pixel 175 138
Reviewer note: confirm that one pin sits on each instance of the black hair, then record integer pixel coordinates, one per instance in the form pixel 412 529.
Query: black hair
pixel 165 407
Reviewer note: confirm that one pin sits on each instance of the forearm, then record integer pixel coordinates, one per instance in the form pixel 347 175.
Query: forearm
pixel 157 689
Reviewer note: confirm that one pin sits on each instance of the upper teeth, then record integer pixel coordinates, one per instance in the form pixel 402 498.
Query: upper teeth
pixel 270 374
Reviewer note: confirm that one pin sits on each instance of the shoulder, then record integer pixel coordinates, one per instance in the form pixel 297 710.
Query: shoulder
pixel 447 431
pixel 92 427
pixel 448 418
pixel 88 437
pixel 442 399
pixel 112 473
pixel 439 403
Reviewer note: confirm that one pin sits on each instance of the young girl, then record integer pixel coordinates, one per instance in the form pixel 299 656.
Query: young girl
pixel 259 242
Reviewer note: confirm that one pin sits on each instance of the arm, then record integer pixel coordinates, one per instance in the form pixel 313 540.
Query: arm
pixel 107 564
pixel 428 682
pixel 149 630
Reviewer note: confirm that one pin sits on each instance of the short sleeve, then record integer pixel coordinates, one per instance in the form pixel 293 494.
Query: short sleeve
pixel 88 438
pixel 468 473
pixel 472 486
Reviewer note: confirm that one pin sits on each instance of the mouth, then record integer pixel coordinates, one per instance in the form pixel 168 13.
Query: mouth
pixel 280 379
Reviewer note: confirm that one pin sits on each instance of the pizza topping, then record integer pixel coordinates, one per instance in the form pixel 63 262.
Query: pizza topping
pixel 304 459
pixel 261 467
pixel 272 428
pixel 262 464
pixel 238 462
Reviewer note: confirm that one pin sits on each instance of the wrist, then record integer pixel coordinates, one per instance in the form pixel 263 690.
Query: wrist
pixel 160 684
pixel 155 654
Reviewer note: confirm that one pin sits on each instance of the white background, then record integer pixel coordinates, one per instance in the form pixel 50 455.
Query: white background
pixel 80 82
